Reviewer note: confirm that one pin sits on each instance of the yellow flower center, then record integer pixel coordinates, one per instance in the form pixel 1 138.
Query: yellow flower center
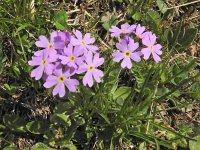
pixel 83 42
pixel 50 45
pixel 44 61
pixel 127 54
pixel 61 78
pixel 138 36
pixel 72 58
pixel 91 67
pixel 151 47
pixel 123 31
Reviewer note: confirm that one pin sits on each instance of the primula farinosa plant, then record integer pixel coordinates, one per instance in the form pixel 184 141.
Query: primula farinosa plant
pixel 100 99
pixel 71 62
pixel 62 58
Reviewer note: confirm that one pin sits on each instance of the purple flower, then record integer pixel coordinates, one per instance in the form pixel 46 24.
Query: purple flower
pixel 125 29
pixel 139 32
pixel 127 53
pixel 44 64
pixel 63 36
pixel 54 43
pixel 60 80
pixel 73 56
pixel 90 67
pixel 49 46
pixel 155 50
pixel 84 42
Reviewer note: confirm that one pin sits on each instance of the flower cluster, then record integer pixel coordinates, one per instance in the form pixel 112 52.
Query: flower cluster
pixel 66 55
pixel 63 57
pixel 135 42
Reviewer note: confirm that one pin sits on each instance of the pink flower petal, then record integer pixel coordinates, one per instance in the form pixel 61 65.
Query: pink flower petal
pixel 35 62
pixel 126 63
pixel 64 59
pixel 74 41
pixel 121 47
pixel 57 88
pixel 78 51
pixel 88 39
pixel 157 47
pixel 118 56
pixel 136 56
pixel 125 26
pixel 97 74
pixel 139 29
pixel 71 84
pixel 89 58
pixel 50 81
pixel 38 72
pixel 146 41
pixel 92 48
pixel 39 53
pixel 152 38
pixel 62 90
pixel 87 79
pixel 131 28
pixel 53 35
pixel 43 42
pixel 78 34
pixel 146 52
pixel 156 57
pixel 98 61
pixel 133 46
pixel 49 68
pixel 82 68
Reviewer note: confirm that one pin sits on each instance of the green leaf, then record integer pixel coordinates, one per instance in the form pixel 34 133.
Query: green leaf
pixel 176 72
pixel 63 107
pixel 23 26
pixel 187 37
pixel 173 37
pixel 61 20
pixel 195 91
pixel 36 127
pixel 161 91
pixel 112 80
pixel 169 35
pixel 162 6
pixel 164 76
pixel 106 25
pixel 162 127
pixel 2 127
pixel 132 10
pixel 122 92
pixel 11 147
pixel 40 146
pixel 153 19
pixel 10 89
pixel 137 16
pixel 174 89
pixel 71 147
pixel 195 145
pixel 143 107
pixel 105 118
pixel 16 70
pixel 176 35
pixel 151 139
pixel 61 119
pixel 14 122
